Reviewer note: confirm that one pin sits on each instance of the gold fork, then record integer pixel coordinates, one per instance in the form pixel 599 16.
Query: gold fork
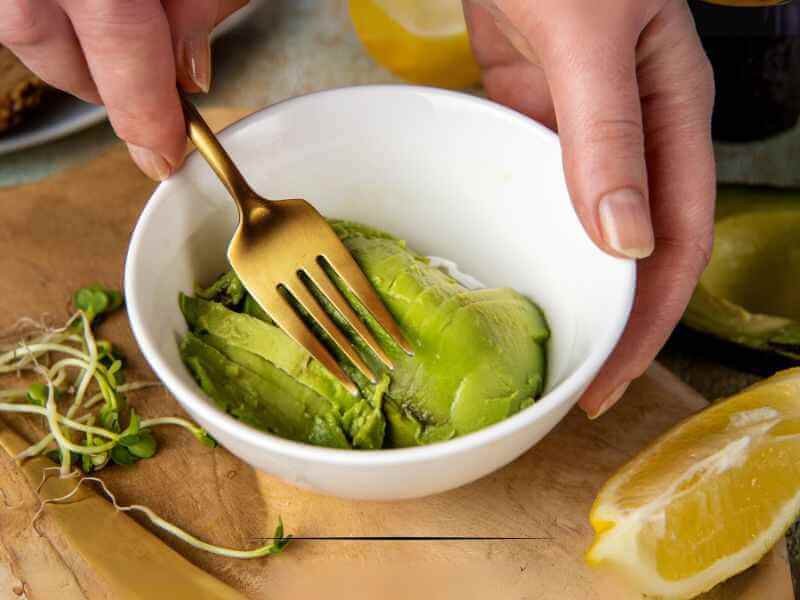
pixel 277 241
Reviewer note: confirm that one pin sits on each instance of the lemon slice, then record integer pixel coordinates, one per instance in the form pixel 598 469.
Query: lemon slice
pixel 422 41
pixel 709 498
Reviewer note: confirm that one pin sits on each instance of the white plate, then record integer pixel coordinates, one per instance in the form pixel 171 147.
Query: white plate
pixel 66 114
pixel 458 177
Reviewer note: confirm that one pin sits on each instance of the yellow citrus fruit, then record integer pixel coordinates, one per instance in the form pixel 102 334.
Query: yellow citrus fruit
pixel 422 41
pixel 709 498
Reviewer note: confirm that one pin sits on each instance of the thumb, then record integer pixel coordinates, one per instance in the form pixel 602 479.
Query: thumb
pixel 599 114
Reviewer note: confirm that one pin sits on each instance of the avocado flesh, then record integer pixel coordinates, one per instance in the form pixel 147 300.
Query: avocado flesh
pixel 756 262
pixel 478 354
pixel 286 391
pixel 299 415
pixel 748 293
pixel 254 335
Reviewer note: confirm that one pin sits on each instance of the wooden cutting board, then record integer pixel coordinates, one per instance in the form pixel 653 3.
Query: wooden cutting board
pixel 73 229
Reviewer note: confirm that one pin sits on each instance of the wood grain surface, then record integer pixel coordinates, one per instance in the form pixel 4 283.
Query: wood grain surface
pixel 73 229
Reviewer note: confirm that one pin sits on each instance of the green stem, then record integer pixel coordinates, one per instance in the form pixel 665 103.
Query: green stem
pixel 91 368
pixel 31 351
pixel 72 423
pixel 194 429
pixel 42 444
pixel 272 548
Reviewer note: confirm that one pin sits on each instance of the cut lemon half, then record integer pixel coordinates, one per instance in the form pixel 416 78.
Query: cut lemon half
pixel 422 41
pixel 709 498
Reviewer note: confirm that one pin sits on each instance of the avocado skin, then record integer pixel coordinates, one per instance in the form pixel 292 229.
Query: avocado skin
pixel 479 355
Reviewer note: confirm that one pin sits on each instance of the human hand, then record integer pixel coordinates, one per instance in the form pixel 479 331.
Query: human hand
pixel 630 88
pixel 127 55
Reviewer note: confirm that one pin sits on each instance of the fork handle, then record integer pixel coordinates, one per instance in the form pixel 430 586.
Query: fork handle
pixel 209 147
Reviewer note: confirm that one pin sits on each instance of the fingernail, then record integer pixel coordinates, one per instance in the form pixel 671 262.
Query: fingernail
pixel 625 222
pixel 154 166
pixel 196 57
pixel 610 401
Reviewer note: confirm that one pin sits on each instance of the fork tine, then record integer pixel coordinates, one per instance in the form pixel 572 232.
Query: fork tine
pixel 346 267
pixel 304 296
pixel 320 278
pixel 285 316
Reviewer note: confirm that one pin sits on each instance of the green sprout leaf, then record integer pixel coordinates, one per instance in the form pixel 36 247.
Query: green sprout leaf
pixel 205 438
pixel 281 541
pixel 104 349
pixel 109 355
pixel 122 456
pixel 130 440
pixel 133 424
pixel 114 375
pixel 96 300
pixel 37 394
pixel 141 445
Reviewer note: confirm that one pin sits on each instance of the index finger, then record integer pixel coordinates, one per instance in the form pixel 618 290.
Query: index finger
pixel 128 50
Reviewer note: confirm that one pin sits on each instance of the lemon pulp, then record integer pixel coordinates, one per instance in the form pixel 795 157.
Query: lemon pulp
pixel 422 41
pixel 709 498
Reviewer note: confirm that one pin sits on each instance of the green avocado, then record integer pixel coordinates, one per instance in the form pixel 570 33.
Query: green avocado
pixel 748 294
pixel 262 338
pixel 479 356
pixel 263 396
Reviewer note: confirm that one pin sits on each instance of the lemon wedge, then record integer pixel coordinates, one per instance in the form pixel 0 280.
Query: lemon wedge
pixel 422 41
pixel 709 498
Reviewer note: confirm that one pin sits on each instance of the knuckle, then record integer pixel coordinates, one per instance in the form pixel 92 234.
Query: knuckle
pixel 692 254
pixel 19 25
pixel 697 255
pixel 118 16
pixel 693 87
pixel 620 132
pixel 706 87
pixel 703 249
pixel 698 90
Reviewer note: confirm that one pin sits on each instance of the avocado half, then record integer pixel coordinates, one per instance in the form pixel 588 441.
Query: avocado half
pixel 479 356
pixel 749 294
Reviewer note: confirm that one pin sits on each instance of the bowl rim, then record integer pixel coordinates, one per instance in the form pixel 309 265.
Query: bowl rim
pixel 193 400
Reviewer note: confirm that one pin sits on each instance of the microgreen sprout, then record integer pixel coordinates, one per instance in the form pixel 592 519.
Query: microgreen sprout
pixel 81 395
pixel 105 431
pixel 96 427
pixel 95 300
pixel 278 541
pixel 198 432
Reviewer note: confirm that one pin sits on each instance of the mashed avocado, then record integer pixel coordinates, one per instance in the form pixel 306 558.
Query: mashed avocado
pixel 479 356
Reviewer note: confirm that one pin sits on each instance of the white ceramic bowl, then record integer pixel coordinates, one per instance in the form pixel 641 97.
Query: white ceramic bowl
pixel 455 175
